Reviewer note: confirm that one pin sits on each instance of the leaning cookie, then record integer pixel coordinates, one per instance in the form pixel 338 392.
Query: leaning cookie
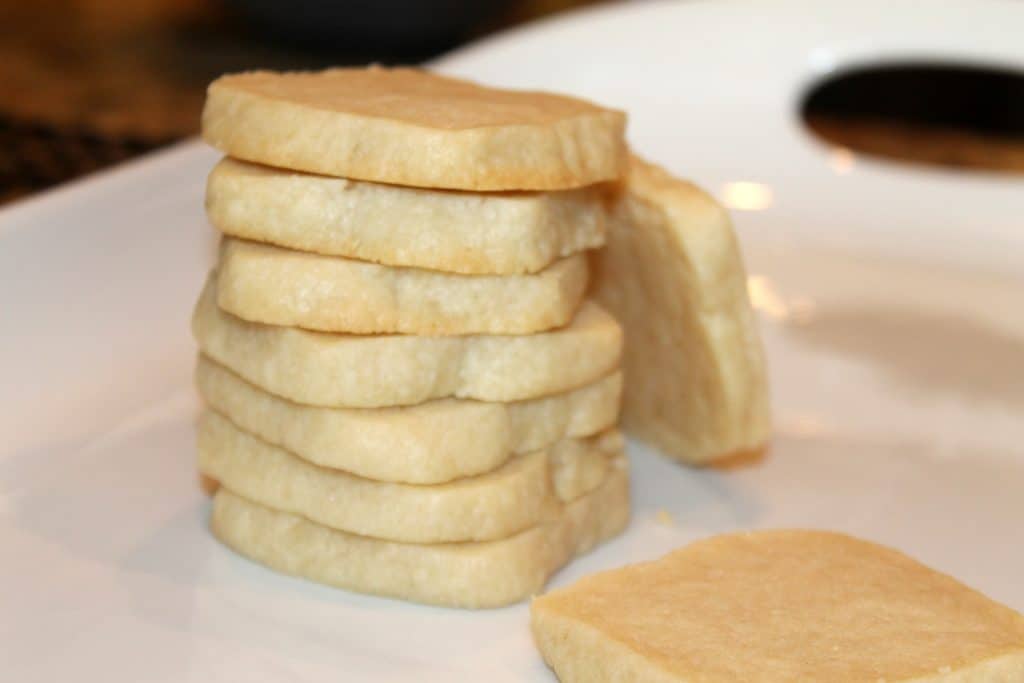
pixel 672 275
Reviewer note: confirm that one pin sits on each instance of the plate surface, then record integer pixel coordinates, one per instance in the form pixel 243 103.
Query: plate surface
pixel 890 298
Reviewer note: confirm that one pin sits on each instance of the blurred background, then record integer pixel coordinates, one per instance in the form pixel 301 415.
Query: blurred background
pixel 89 83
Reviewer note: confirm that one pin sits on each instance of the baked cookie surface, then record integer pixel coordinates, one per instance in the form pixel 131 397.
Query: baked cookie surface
pixel 267 284
pixel 414 128
pixel 774 607
pixel 521 493
pixel 672 275
pixel 474 575
pixel 372 371
pixel 503 233
pixel 428 443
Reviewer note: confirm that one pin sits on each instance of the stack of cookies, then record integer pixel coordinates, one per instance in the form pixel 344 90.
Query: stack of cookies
pixel 408 392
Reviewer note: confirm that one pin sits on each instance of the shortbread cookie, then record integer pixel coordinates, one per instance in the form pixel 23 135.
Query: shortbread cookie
pixel 506 233
pixel 673 276
pixel 411 127
pixel 319 368
pixel 429 443
pixel 476 575
pixel 268 284
pixel 522 493
pixel 775 607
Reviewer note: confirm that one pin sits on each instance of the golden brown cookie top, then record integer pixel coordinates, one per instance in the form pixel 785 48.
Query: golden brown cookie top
pixel 790 606
pixel 412 127
pixel 414 96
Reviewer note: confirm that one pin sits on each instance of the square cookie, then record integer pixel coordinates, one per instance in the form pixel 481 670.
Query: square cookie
pixel 774 607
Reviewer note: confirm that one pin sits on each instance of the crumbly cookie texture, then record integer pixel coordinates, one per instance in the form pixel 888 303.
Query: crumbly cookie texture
pixel 428 443
pixel 415 128
pixel 267 284
pixel 521 493
pixel 325 369
pixel 474 575
pixel 672 275
pixel 502 233
pixel 778 606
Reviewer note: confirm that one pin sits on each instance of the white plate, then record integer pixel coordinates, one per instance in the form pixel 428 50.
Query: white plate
pixel 891 301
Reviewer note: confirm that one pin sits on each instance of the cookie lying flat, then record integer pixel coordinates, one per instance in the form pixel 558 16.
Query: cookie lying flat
pixel 410 127
pixel 429 443
pixel 268 284
pixel 774 607
pixel 673 276
pixel 504 233
pixel 319 368
pixel 477 575
pixel 521 493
